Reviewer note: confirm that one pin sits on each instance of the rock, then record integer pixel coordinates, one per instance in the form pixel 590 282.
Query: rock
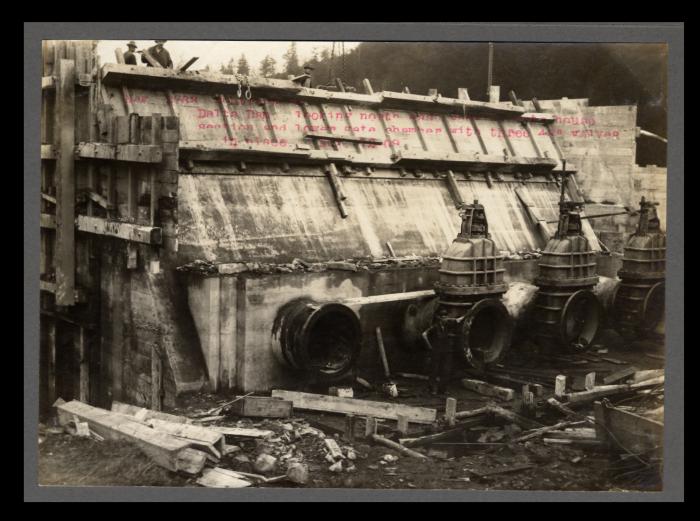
pixel 351 468
pixel 242 458
pixel 350 454
pixel 288 427
pixel 265 463
pixel 336 467
pixel 373 467
pixel 389 458
pixel 298 473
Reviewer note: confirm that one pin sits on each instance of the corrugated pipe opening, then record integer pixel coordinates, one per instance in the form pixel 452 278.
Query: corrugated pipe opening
pixel 323 340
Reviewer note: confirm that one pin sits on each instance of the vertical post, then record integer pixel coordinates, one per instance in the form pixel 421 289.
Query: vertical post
pixel 370 426
pixel 494 94
pixel 156 379
pixel 450 410
pixel 402 423
pixel 560 386
pixel 590 381
pixel 51 362
pixel 65 184
pixel 84 394
pixel 463 94
pixel 350 428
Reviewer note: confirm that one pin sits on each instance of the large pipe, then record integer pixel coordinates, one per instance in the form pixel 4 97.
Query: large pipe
pixel 322 340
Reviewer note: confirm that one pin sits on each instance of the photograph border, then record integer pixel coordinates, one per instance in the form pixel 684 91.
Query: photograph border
pixel 671 33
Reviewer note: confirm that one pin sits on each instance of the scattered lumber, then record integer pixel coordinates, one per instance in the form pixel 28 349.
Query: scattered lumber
pixel 474 412
pixel 642 376
pixel 587 433
pixel 611 390
pixel 488 389
pixel 521 421
pixel 333 448
pixel 573 442
pixel 166 450
pixel 558 406
pixel 320 402
pixel 432 438
pixel 399 448
pixel 544 430
pixel 634 433
pixel 201 437
pixel 143 414
pixel 619 375
pixel 260 407
pixel 222 478
pixel 237 432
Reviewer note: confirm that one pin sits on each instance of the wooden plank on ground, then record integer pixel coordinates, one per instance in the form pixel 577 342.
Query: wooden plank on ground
pixel 120 230
pixel 163 448
pixel 143 414
pixel 261 407
pixel 488 389
pixel 611 390
pixel 319 402
pixel 641 376
pixel 619 375
pixel 202 437
pixel 237 432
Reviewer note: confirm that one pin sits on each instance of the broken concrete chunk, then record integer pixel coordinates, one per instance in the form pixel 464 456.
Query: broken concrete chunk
pixel 221 478
pixel 390 458
pixel 333 448
pixel 265 463
pixel 298 473
pixel 336 467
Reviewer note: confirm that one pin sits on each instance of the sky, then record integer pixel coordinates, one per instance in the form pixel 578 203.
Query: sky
pixel 215 53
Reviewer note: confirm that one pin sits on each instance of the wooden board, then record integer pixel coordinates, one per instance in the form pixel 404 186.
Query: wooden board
pixel 125 152
pixel 143 414
pixel 488 389
pixel 319 402
pixel 163 448
pixel 261 407
pixel 237 432
pixel 221 478
pixel 120 230
pixel 202 437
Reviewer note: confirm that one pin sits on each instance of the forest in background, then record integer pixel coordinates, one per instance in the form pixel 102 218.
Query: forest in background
pixel 606 74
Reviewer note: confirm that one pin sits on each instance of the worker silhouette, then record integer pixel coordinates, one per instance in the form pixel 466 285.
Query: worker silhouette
pixel 305 79
pixel 446 335
pixel 130 55
pixel 159 54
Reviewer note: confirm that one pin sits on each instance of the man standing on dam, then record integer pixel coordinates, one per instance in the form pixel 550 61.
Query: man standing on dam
pixel 130 56
pixel 159 54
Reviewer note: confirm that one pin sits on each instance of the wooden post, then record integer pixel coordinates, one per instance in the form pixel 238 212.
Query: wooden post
pixel 65 184
pixel 156 380
pixel 370 426
pixel 463 93
pixel 84 394
pixel 560 386
pixel 494 94
pixel 450 410
pixel 402 423
pixel 350 428
pixel 590 381
pixel 51 362
pixel 367 86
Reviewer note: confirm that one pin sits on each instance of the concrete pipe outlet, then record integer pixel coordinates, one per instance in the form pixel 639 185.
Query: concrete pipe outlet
pixel 321 340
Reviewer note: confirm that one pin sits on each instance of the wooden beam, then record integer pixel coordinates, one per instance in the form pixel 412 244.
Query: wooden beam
pixel 124 152
pixel 447 434
pixel 165 449
pixel 51 360
pixel 47 221
pixel 48 82
pixel 399 448
pixel 144 415
pixel 488 389
pixel 48 152
pixel 188 64
pixel 611 390
pixel 337 137
pixel 319 402
pixel 83 354
pixel 156 380
pixel 120 230
pixel 635 433
pixel 480 162
pixel 65 185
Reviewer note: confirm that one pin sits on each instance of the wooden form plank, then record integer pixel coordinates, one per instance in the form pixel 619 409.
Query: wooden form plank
pixel 51 359
pixel 120 230
pixel 319 402
pixel 188 64
pixel 487 389
pixel 238 432
pixel 84 392
pixel 143 414
pixel 261 407
pixel 123 152
pixel 399 448
pixel 202 437
pixel 47 221
pixel 163 448
pixel 337 137
pixel 635 433
pixel 65 185
pixel 611 390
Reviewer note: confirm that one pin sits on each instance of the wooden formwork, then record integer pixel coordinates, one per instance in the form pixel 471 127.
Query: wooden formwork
pixel 104 180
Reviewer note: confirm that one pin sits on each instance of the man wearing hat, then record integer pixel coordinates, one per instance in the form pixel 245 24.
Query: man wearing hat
pixel 159 54
pixel 130 56
pixel 305 79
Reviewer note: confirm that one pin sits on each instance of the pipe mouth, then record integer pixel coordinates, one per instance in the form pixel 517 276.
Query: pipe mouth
pixel 580 319
pixel 486 332
pixel 322 340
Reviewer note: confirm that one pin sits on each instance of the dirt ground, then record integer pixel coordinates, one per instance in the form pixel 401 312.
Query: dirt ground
pixel 453 464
